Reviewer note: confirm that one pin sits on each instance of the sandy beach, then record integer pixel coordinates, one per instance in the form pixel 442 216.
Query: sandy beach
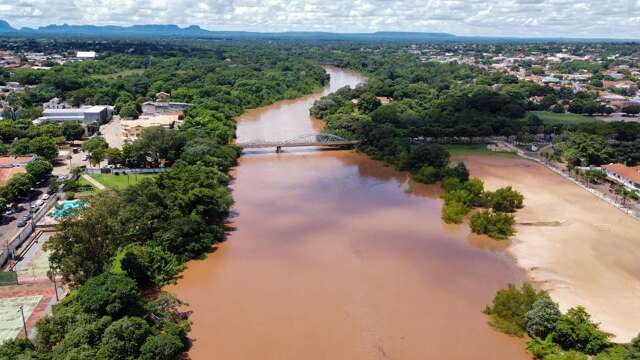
pixel 592 258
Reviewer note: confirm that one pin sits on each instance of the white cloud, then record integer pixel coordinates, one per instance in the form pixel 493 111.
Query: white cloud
pixel 593 18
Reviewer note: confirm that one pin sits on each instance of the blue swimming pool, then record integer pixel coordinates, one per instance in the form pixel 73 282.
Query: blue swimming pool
pixel 67 208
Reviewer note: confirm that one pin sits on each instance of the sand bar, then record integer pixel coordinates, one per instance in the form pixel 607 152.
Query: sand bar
pixel 590 258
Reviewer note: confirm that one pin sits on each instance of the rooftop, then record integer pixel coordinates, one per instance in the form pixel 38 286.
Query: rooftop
pixel 630 172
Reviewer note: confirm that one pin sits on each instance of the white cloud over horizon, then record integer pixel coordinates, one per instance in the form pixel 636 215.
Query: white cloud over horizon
pixel 528 18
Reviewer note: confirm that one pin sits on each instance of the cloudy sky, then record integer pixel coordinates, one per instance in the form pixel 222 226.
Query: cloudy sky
pixel 573 18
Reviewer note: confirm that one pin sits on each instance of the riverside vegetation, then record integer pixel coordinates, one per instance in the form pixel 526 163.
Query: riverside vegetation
pixel 125 244
pixel 554 335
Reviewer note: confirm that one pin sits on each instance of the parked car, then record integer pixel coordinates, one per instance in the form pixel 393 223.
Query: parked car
pixel 9 212
pixel 26 217
pixel 45 197
pixel 22 223
pixel 85 157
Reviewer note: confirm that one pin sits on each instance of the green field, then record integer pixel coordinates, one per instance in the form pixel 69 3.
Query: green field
pixel 476 149
pixel 551 118
pixel 121 181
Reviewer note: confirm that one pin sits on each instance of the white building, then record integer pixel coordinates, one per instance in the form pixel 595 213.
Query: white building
pixel 86 115
pixel 86 55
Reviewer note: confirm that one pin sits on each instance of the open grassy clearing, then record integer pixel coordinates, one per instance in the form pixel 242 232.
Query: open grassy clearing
pixel 121 181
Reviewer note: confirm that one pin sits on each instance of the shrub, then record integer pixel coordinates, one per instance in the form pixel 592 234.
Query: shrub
pixel 568 355
pixel 575 330
pixel 506 200
pixel 459 172
pixel 541 349
pixel 496 225
pixel 427 175
pixel 453 212
pixel 148 265
pixel 509 307
pixel 109 294
pixel 161 347
pixel 12 349
pixel 633 353
pixel 451 183
pixel 542 318
pixel 123 339
pixel 616 352
pixel 69 195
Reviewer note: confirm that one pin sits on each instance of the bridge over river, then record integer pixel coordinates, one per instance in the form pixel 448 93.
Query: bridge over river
pixel 315 140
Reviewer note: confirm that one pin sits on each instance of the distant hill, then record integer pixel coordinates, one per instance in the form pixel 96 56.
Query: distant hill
pixel 5 27
pixel 196 31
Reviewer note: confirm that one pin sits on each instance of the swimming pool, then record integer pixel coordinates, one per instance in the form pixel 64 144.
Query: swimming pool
pixel 67 208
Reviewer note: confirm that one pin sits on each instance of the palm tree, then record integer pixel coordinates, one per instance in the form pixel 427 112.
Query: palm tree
pixel 626 194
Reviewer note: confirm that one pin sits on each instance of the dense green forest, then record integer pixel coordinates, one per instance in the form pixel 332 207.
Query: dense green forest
pixel 123 246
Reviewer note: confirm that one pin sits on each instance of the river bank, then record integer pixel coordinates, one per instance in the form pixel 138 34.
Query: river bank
pixel 590 257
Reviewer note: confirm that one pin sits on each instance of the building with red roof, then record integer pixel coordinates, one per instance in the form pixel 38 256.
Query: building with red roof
pixel 629 176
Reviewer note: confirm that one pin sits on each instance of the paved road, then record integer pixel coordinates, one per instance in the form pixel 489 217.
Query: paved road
pixel 112 133
pixel 9 224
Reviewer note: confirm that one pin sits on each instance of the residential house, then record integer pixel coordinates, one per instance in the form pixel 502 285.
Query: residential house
pixel 54 103
pixel 162 96
pixel 629 176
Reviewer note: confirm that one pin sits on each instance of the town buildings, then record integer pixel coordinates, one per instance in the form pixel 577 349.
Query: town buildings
pixel 160 107
pixel 629 176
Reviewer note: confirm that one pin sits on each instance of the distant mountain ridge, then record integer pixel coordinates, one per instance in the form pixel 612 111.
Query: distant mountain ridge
pixel 194 31
pixel 197 31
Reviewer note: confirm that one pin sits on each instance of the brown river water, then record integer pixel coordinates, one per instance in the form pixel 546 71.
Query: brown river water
pixel 335 256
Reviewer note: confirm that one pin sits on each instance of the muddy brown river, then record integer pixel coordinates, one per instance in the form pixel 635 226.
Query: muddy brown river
pixel 335 256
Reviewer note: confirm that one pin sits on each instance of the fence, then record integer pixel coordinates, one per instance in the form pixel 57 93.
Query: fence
pixel 26 231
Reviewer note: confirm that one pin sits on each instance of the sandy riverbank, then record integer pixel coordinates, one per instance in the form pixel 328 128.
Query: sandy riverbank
pixel 591 259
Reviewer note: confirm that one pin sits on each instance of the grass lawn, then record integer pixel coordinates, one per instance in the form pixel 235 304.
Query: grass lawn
pixel 121 181
pixel 551 118
pixel 83 182
pixel 476 149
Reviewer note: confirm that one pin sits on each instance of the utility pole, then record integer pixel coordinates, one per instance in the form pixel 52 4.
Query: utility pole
pixel 55 286
pixel 24 323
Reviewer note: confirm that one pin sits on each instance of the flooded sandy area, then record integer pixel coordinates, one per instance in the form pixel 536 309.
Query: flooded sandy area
pixel 590 257
pixel 335 256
